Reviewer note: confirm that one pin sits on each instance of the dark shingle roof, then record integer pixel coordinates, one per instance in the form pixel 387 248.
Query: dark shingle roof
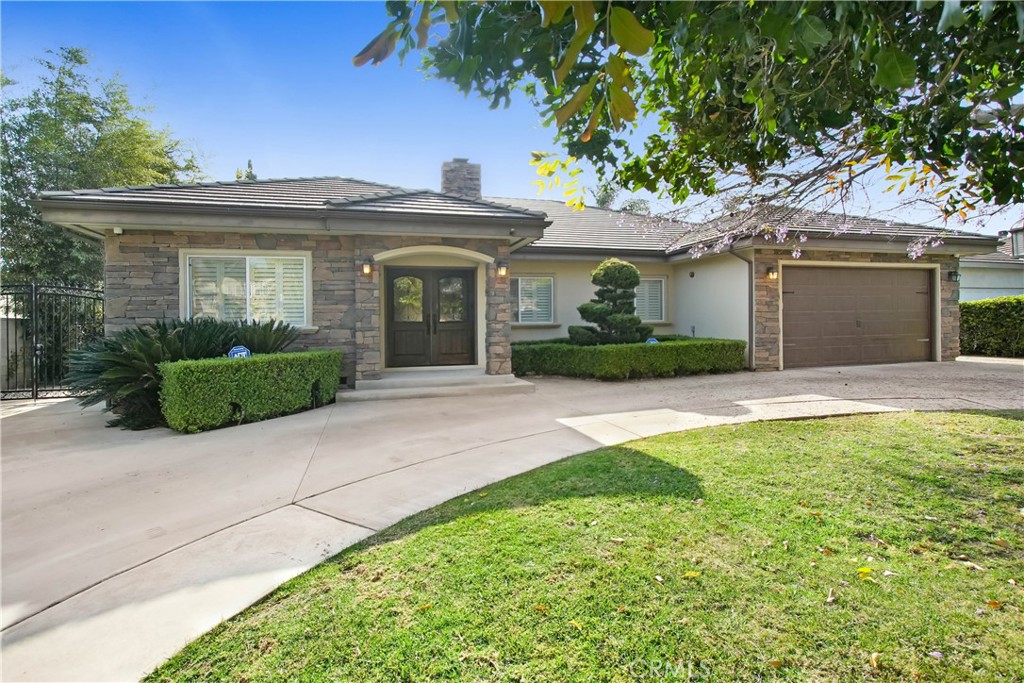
pixel 299 194
pixel 813 224
pixel 598 229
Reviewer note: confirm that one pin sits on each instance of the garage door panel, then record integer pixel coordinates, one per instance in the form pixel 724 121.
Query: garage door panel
pixel 844 316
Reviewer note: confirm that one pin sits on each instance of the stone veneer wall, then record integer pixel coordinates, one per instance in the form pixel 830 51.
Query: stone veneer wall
pixel 141 286
pixel 369 361
pixel 767 298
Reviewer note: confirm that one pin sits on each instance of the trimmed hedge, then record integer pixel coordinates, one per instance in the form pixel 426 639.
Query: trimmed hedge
pixel 198 395
pixel 993 327
pixel 630 361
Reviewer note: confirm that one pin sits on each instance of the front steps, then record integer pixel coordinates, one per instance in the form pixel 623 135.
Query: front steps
pixel 434 382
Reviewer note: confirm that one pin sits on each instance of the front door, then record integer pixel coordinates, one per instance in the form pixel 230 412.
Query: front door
pixel 430 316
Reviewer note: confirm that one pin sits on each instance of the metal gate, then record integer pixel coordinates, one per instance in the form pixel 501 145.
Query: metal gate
pixel 40 325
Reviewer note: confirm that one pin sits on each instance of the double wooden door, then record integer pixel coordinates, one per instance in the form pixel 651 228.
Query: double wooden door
pixel 430 316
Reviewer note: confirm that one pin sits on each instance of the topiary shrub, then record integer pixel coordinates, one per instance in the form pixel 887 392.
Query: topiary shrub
pixel 206 394
pixel 124 370
pixel 613 308
pixel 993 327
pixel 630 361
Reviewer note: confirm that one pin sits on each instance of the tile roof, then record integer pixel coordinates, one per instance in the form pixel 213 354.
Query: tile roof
pixel 598 229
pixel 298 194
pixel 813 224
pixel 1003 255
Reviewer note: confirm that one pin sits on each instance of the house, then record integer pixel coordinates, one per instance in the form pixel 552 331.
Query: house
pixel 414 278
pixel 1000 273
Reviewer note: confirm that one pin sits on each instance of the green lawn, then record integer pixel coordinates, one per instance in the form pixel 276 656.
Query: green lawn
pixel 881 548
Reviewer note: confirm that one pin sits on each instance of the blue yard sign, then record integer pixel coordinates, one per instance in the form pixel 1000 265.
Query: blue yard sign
pixel 239 352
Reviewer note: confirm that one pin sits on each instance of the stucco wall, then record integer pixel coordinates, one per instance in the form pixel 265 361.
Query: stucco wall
pixel 712 297
pixel 572 287
pixel 987 280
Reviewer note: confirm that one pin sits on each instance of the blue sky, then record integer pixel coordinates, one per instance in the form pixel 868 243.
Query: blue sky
pixel 274 82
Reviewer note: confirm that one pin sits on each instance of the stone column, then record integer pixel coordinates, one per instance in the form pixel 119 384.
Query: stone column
pixel 499 318
pixel 367 316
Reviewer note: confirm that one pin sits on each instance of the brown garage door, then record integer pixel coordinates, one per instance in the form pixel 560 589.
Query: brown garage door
pixel 848 316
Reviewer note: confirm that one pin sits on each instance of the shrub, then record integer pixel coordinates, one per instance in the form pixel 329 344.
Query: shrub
pixel 198 395
pixel 266 337
pixel 993 327
pixel 630 361
pixel 613 308
pixel 124 370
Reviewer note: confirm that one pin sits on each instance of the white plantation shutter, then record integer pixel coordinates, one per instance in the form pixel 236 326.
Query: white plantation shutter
pixel 249 288
pixel 217 287
pixel 650 300
pixel 277 289
pixel 536 304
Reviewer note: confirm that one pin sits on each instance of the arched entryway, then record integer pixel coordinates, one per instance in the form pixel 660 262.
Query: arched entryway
pixel 433 306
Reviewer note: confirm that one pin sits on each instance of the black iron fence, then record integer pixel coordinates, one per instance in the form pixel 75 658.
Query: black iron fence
pixel 40 325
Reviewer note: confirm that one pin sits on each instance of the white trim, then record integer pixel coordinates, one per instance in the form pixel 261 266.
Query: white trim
pixel 432 250
pixel 936 287
pixel 664 299
pixel 184 302
pixel 554 306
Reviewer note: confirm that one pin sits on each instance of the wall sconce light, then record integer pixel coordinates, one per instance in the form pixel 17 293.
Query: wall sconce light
pixel 502 268
pixel 368 267
pixel 772 272
pixel 953 275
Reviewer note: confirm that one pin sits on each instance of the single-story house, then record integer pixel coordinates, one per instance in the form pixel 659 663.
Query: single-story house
pixel 1000 273
pixel 415 278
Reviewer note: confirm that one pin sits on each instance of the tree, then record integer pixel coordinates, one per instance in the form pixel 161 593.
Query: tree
pixel 73 131
pixel 613 308
pixel 247 174
pixel 779 100
pixel 606 194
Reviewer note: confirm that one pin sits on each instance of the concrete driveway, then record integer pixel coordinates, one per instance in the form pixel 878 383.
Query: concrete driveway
pixel 120 547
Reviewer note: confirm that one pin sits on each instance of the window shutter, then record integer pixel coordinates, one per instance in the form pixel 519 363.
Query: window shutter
pixel 217 287
pixel 535 300
pixel 278 289
pixel 650 300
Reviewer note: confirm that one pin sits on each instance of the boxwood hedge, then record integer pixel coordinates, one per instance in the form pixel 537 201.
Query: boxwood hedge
pixel 993 327
pixel 629 361
pixel 198 395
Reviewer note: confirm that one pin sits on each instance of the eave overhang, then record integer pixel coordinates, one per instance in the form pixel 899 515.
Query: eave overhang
pixel 94 220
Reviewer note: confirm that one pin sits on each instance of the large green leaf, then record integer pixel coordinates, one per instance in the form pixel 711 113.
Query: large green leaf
pixel 893 69
pixel 630 33
pixel 813 32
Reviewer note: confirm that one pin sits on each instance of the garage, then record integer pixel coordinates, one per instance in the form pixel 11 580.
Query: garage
pixel 853 316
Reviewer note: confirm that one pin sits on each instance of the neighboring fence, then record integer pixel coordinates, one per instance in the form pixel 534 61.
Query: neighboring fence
pixel 40 325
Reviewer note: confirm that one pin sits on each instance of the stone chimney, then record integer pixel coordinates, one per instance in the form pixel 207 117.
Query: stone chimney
pixel 460 177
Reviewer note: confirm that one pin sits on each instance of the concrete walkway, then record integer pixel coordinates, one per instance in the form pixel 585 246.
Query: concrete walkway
pixel 120 547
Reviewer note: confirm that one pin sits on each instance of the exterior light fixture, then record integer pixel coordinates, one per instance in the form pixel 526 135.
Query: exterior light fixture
pixel 368 267
pixel 502 268
pixel 772 272
pixel 953 275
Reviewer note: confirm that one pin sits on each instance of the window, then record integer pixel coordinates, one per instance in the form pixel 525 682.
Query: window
pixel 532 299
pixel 249 288
pixel 650 299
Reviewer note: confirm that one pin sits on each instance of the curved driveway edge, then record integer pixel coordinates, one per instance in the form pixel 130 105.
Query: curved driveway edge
pixel 120 547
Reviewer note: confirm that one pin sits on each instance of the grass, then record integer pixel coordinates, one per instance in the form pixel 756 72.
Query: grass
pixel 881 548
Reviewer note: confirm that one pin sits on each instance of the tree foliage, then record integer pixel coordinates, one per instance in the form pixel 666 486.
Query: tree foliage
pixel 73 131
pixel 788 98
pixel 613 308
